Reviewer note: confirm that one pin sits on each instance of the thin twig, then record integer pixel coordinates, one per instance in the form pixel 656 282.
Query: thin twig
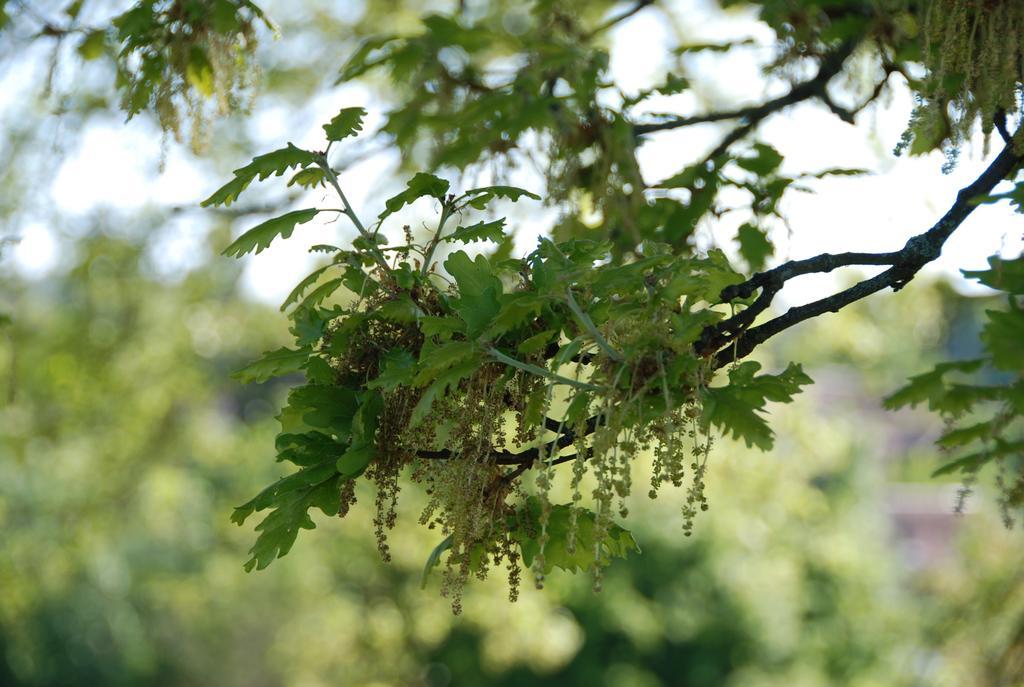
pixel 588 324
pixel 332 178
pixel 541 372
pixel 600 28
pixel 432 246
pixel 831 65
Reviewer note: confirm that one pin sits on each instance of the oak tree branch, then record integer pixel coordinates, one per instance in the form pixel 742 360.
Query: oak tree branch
pixel 816 87
pixel 734 338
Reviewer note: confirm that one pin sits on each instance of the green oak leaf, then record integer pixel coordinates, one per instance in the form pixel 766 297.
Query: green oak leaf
pixel 1003 335
pixel 320 293
pixel 434 559
pixel 479 291
pixel 1015 196
pixel 307 449
pixel 421 185
pixel 537 342
pixel 738 407
pixel 754 246
pixel 963 436
pixel 974 461
pixel 262 166
pixel 311 475
pixel 717 274
pixel 559 552
pixel 301 287
pixel 516 309
pixel 360 62
pixel 929 387
pixel 929 134
pixel 437 358
pixel 324 407
pixel 1004 275
pixel 481 231
pixel 260 237
pixel 480 197
pixel 397 368
pixel 93 45
pixel 433 325
pixel 400 309
pixel 348 122
pixel 353 462
pixel 310 177
pixel 440 386
pixel 278 531
pixel 283 361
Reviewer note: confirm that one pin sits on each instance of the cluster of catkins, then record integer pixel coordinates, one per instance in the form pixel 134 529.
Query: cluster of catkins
pixel 461 454
pixel 189 92
pixel 974 53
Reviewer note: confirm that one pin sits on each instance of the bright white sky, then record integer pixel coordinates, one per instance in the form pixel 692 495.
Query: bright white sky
pixel 114 166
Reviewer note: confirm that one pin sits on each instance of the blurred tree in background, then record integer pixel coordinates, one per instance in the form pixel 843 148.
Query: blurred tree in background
pixel 124 443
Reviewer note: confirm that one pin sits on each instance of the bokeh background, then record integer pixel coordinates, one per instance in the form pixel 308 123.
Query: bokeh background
pixel 124 443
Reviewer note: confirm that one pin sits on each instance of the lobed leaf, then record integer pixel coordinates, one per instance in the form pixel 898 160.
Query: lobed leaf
pixel 1015 196
pixel 280 528
pixel 754 246
pixel 479 289
pixel 928 387
pixel 277 363
pixel 320 293
pixel 361 61
pixel 306 449
pixel 974 461
pixel 434 360
pixel 420 186
pixel 576 554
pixel 398 367
pixel 262 166
pixel 433 325
pixel 738 407
pixel 966 435
pixel 310 177
pixel 440 387
pixel 324 407
pixel 1004 275
pixel 480 197
pixel 1003 335
pixel 537 342
pixel 481 231
pixel 348 122
pixel 260 237
pixel 301 287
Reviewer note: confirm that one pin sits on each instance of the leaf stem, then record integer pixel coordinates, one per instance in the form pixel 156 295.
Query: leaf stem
pixel 541 372
pixel 591 328
pixel 429 255
pixel 351 214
